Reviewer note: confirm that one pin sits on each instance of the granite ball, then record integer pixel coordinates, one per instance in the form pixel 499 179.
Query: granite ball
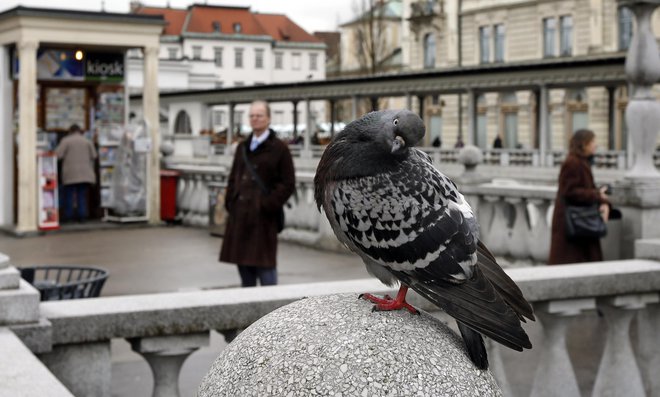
pixel 470 155
pixel 337 346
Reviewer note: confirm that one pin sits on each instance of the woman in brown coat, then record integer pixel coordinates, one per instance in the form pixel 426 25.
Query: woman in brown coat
pixel 576 187
pixel 250 239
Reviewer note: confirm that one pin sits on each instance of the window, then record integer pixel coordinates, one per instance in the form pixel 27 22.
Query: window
pixel 549 32
pixel 182 123
pixel 278 60
pixel 484 44
pixel 239 83
pixel 238 117
pixel 499 37
pixel 197 52
pixel 218 117
pixel 566 35
pixel 217 56
pixel 216 26
pixel 259 59
pixel 172 52
pixel 219 84
pixel 429 51
pixel 295 61
pixel 278 117
pixel 237 28
pixel 259 83
pixel 313 61
pixel 238 57
pixel 625 28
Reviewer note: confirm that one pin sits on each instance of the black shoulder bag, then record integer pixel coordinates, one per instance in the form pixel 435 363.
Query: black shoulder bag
pixel 584 221
pixel 264 189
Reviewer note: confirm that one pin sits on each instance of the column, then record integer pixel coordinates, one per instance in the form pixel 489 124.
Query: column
pixel 309 130
pixel 354 107
pixel 150 97
pixel 611 127
pixel 333 116
pixel 27 138
pixel 555 375
pixel 642 71
pixel 295 119
pixel 544 138
pixel 165 355
pixel 374 103
pixel 230 130
pixel 420 99
pixel 471 121
pixel 618 373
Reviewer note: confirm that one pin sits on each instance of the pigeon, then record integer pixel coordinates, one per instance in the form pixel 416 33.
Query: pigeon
pixel 410 225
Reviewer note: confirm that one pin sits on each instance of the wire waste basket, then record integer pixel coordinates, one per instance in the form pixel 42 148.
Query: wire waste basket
pixel 65 282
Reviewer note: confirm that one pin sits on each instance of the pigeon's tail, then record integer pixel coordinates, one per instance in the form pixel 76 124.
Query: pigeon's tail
pixel 503 284
pixel 474 344
pixel 475 303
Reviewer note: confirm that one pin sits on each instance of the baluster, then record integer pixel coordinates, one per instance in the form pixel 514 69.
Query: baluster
pixel 618 373
pixel 496 367
pixel 180 195
pixel 493 224
pixel 648 324
pixel 555 375
pixel 538 238
pixel 165 355
pixel 518 231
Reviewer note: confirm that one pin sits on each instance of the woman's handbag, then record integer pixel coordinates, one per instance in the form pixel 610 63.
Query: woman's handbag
pixel 584 221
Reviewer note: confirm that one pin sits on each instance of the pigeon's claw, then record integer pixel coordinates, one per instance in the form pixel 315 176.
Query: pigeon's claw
pixel 387 304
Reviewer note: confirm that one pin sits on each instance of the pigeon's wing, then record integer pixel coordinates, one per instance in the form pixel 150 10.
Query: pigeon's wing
pixel 414 222
pixel 405 220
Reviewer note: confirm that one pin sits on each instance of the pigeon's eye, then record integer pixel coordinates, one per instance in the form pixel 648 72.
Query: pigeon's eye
pixel 396 121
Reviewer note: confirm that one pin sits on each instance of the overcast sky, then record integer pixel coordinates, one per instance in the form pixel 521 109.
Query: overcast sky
pixel 312 15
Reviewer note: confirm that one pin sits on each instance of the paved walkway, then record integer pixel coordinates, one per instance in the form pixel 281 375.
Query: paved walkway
pixel 166 259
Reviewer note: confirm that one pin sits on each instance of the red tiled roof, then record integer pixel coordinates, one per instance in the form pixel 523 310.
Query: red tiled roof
pixel 201 19
pixel 281 28
pixel 174 17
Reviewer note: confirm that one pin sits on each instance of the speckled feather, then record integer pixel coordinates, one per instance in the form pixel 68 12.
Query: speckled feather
pixel 409 223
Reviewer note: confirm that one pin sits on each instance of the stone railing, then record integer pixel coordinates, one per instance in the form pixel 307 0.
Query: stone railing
pixel 72 338
pixel 509 213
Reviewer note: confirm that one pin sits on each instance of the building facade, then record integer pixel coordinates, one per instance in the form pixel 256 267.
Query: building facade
pixel 207 47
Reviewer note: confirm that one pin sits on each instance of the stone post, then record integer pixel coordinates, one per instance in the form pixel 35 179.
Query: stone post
pixel 555 375
pixel 643 71
pixel 639 193
pixel 165 355
pixel 150 103
pixel 85 368
pixel 27 138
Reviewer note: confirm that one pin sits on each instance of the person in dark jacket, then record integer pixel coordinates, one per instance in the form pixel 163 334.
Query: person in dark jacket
pixel 576 187
pixel 250 239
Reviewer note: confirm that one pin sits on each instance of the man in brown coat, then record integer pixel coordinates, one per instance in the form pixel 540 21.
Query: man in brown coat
pixel 77 154
pixel 250 239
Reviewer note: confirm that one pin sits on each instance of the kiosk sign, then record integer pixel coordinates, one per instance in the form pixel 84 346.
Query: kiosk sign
pixel 106 67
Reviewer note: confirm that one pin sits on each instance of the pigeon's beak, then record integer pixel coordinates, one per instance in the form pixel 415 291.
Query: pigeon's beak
pixel 398 143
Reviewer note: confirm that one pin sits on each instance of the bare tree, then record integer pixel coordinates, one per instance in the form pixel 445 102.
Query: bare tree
pixel 370 27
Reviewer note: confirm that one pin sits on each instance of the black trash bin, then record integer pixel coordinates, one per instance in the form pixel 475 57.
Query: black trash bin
pixel 65 282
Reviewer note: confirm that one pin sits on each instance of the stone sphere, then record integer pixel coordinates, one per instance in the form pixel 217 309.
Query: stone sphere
pixel 167 148
pixel 470 155
pixel 336 346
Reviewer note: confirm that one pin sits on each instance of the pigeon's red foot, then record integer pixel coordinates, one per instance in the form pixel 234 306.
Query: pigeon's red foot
pixel 386 303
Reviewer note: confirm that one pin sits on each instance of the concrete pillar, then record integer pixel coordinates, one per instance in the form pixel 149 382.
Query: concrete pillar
pixel 85 369
pixel 618 373
pixel 354 107
pixel 295 119
pixel 165 355
pixel 27 138
pixel 230 130
pixel 309 130
pixel 543 122
pixel 150 105
pixel 611 127
pixel 643 71
pixel 555 375
pixel 472 118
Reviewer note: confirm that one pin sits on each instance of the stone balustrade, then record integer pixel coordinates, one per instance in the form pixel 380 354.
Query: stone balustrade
pixel 166 328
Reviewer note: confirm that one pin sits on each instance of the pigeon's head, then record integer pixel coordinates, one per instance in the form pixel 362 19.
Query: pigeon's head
pixel 388 131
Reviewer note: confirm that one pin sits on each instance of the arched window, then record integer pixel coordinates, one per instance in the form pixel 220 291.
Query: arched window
pixel 429 51
pixel 182 123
